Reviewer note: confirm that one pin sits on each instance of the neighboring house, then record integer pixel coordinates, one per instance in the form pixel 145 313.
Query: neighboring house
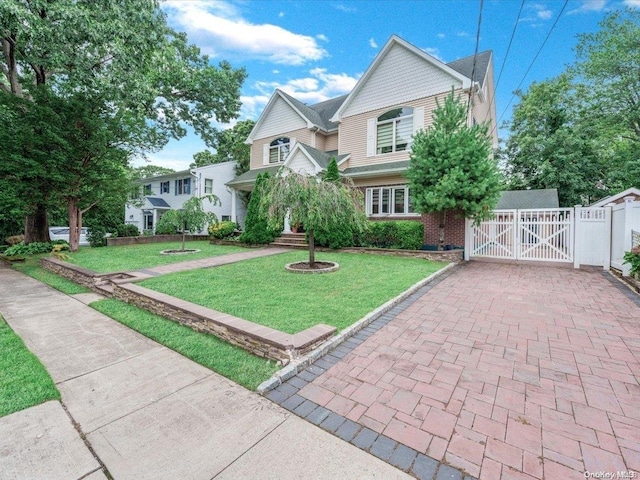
pixel 169 192
pixel 525 199
pixel 618 197
pixel 370 130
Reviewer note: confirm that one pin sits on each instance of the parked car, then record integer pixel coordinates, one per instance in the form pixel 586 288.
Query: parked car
pixel 62 233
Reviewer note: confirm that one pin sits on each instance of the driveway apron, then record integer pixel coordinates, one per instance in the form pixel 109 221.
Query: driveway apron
pixel 499 370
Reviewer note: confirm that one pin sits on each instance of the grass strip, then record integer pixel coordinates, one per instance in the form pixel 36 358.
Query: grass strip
pixel 261 291
pixel 24 382
pixel 31 266
pixel 135 257
pixel 228 360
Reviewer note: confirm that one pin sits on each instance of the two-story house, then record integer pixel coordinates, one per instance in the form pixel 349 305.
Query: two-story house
pixel 169 192
pixel 370 130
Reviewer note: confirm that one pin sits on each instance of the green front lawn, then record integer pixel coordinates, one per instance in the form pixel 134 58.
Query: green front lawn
pixel 261 291
pixel 233 362
pixel 24 382
pixel 135 257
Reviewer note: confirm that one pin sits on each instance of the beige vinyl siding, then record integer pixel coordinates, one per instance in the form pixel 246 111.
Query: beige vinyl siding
pixel 281 118
pixel 353 133
pixel 330 142
pixel 257 147
pixel 401 76
pixel 486 111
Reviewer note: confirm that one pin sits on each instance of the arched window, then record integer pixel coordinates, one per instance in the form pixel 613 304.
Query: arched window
pixel 279 149
pixel 394 130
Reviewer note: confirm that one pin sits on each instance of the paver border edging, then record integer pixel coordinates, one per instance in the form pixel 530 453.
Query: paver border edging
pixel 298 365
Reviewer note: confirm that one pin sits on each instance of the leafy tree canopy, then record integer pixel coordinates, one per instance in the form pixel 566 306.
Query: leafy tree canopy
pixel 229 146
pixel 192 217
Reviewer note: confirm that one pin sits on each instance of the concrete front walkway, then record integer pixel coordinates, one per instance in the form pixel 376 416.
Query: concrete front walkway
pixel 502 371
pixel 146 411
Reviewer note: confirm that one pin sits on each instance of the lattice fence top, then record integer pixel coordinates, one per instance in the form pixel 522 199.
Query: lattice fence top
pixel 635 239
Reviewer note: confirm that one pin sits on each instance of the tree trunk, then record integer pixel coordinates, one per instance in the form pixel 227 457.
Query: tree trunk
pixel 184 233
pixel 312 250
pixel 36 226
pixel 443 219
pixel 74 224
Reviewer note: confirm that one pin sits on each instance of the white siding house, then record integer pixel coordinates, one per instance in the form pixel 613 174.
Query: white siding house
pixel 169 192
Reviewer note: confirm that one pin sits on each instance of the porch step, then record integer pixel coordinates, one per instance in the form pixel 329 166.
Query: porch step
pixel 291 240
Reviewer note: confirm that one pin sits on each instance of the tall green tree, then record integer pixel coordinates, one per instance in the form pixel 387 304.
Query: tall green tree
pixel 147 171
pixel 550 146
pixel 607 73
pixel 142 74
pixel 256 223
pixel 313 203
pixel 229 146
pixel 451 166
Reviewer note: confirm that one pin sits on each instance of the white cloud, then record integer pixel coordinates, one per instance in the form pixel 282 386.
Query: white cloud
pixel 344 8
pixel 319 86
pixel 281 14
pixel 372 43
pixel 632 3
pixel 441 35
pixel 219 25
pixel 322 36
pixel 536 13
pixel 590 6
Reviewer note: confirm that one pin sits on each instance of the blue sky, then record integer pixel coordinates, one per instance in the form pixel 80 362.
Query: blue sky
pixel 317 49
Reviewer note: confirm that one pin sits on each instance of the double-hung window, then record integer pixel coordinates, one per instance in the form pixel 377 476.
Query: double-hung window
pixel 164 187
pixel 389 201
pixel 146 189
pixel 279 149
pixel 183 186
pixel 208 185
pixel 394 130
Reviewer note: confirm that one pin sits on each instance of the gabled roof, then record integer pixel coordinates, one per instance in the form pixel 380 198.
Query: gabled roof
pixel 612 198
pixel 522 199
pixel 318 115
pixel 318 157
pixel 376 169
pixel 465 66
pixel 395 40
pixel 249 178
pixel 166 176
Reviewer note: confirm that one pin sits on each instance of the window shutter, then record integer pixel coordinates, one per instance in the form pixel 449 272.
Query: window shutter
pixel 371 137
pixel 265 154
pixel 418 119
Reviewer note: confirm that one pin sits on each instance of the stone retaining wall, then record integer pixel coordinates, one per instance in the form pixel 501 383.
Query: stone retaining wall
pixel 79 275
pixel 115 241
pixel 257 339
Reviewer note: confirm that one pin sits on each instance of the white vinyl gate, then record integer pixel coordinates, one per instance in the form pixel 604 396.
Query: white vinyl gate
pixel 532 234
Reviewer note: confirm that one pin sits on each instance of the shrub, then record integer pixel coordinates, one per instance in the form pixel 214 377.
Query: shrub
pixel 97 236
pixel 31 249
pixel 127 230
pixel 163 228
pixel 633 258
pixel 14 239
pixel 222 230
pixel 400 234
pixel 339 237
pixel 256 224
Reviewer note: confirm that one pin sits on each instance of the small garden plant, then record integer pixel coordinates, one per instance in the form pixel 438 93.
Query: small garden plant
pixel 633 258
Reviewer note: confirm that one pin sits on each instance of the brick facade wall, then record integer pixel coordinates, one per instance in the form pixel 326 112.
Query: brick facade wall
pixel 453 230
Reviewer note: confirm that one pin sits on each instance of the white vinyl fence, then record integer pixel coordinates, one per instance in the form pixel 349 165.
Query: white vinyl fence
pixel 582 235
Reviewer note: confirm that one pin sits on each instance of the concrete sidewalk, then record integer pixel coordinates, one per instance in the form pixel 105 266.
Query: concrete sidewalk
pixel 146 411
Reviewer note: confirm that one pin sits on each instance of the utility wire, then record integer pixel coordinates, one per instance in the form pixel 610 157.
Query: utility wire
pixel 475 57
pixel 532 62
pixel 504 61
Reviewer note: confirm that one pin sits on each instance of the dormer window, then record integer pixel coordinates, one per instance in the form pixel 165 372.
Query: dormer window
pixel 279 149
pixel 394 130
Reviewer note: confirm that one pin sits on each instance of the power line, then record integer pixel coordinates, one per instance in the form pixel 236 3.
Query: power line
pixel 504 60
pixel 475 57
pixel 532 62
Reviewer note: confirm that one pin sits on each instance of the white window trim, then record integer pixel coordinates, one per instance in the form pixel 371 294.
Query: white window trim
pixel 205 186
pixel 391 188
pixel 394 122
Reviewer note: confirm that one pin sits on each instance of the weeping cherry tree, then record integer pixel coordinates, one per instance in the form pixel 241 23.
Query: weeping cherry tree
pixel 313 203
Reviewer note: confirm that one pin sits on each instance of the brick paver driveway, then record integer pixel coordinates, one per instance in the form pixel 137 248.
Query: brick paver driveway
pixel 503 371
